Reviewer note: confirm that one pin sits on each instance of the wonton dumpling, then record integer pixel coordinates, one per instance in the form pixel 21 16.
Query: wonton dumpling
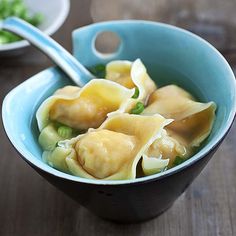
pixel 83 108
pixel 168 148
pixel 192 121
pixel 113 150
pixel 131 75
pixel 119 72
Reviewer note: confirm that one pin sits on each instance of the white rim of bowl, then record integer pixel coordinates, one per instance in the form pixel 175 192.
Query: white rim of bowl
pixel 51 29
pixel 32 160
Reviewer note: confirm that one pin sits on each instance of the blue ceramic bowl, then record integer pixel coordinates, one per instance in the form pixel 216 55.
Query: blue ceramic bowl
pixel 172 55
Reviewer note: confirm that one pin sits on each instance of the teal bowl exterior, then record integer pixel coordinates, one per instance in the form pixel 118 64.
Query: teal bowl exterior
pixel 171 55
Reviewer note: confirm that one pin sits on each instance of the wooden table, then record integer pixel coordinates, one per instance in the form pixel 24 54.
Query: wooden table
pixel 31 206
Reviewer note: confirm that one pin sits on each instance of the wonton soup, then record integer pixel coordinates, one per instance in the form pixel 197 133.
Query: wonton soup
pixel 110 126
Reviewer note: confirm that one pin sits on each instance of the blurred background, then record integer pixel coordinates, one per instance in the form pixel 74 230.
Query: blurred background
pixel 214 20
pixel 30 206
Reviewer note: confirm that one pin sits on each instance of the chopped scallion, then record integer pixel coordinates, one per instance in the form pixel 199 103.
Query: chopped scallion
pixel 65 131
pixel 178 160
pixel 139 107
pixel 136 93
pixel 98 70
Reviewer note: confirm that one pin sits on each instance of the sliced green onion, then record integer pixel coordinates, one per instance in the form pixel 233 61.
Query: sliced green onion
pixel 136 93
pixel 178 160
pixel 98 70
pixel 65 131
pixel 138 108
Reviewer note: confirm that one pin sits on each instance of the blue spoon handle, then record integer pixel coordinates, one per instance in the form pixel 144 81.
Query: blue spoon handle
pixel 76 71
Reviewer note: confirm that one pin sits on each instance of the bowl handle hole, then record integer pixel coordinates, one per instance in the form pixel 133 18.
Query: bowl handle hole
pixel 107 44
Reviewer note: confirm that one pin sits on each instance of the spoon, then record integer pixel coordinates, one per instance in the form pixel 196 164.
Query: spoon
pixel 69 64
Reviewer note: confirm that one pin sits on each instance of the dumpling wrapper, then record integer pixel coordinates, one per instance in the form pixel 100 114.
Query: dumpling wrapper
pixel 83 108
pixel 192 120
pixel 153 165
pixel 131 75
pixel 56 158
pixel 192 123
pixel 49 137
pixel 120 72
pixel 113 150
pixel 167 148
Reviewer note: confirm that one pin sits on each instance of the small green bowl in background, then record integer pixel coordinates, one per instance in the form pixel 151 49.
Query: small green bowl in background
pixel 54 13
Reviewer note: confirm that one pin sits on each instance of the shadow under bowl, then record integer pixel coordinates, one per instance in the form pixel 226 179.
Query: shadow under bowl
pixel 171 55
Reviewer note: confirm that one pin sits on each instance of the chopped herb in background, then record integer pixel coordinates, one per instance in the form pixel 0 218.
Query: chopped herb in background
pixel 136 93
pixel 19 9
pixel 178 160
pixel 139 107
pixel 7 37
pixel 99 71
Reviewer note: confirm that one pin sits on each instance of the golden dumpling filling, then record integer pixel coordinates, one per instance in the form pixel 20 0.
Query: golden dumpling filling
pixel 111 127
pixel 94 149
pixel 131 75
pixel 119 72
pixel 167 147
pixel 82 113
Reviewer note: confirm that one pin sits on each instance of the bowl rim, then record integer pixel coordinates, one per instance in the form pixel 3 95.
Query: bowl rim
pixel 51 29
pixel 199 155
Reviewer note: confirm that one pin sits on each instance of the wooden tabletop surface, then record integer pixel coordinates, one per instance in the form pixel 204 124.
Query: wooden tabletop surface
pixel 29 205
